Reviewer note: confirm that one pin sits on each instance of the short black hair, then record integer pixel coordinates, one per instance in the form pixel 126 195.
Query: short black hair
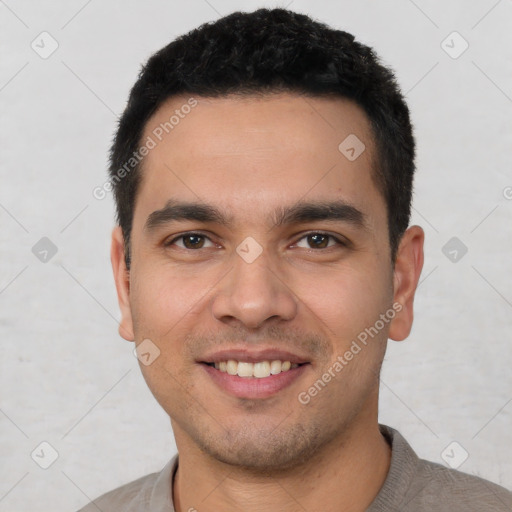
pixel 266 51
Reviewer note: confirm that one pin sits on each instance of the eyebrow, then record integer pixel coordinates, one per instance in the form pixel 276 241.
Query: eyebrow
pixel 301 212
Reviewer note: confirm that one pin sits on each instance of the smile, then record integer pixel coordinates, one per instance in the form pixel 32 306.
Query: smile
pixel 258 370
pixel 259 380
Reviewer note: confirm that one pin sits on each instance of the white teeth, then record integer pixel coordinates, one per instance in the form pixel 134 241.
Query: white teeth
pixel 259 370
pixel 275 367
pixel 231 367
pixel 245 369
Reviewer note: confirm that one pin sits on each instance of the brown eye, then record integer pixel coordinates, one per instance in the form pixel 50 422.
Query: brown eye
pixel 190 241
pixel 318 241
pixel 193 241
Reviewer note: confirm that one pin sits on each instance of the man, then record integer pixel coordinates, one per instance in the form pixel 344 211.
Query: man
pixel 263 172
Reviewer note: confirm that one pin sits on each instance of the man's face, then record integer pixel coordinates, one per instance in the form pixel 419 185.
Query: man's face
pixel 257 285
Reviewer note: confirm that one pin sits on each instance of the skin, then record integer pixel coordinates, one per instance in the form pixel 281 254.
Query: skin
pixel 249 156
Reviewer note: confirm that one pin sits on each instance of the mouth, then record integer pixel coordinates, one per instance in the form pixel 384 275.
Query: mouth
pixel 254 376
pixel 257 370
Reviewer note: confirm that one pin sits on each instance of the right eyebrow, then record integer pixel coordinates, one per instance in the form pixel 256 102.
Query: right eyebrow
pixel 176 211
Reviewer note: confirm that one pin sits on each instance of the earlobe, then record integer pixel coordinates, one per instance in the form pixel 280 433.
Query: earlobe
pixel 408 266
pixel 122 280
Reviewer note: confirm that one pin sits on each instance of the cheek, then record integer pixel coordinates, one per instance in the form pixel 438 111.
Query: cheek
pixel 347 300
pixel 163 311
pixel 169 386
pixel 166 307
pixel 163 300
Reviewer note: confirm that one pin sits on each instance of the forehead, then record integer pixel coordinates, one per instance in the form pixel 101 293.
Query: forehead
pixel 255 153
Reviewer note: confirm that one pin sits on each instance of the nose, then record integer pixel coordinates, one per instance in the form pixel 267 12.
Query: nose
pixel 253 293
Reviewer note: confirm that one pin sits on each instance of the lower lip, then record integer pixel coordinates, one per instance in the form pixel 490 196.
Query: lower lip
pixel 252 387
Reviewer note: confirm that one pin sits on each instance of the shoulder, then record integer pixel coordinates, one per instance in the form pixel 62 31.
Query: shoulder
pixel 454 490
pixel 151 492
pixel 125 498
pixel 414 484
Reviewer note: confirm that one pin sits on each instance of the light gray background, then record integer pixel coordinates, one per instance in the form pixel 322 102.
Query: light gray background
pixel 67 378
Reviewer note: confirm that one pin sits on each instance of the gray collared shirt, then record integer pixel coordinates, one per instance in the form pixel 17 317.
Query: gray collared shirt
pixel 412 485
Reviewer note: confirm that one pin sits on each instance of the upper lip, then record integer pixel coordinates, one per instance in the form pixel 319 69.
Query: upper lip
pixel 252 356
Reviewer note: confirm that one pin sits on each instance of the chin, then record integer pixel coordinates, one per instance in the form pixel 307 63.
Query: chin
pixel 264 452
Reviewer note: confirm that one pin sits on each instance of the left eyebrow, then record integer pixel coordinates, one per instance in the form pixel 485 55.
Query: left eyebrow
pixel 302 212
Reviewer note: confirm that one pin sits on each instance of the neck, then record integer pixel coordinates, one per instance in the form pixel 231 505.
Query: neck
pixel 351 470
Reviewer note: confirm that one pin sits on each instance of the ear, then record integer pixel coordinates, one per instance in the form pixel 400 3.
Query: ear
pixel 408 265
pixel 122 279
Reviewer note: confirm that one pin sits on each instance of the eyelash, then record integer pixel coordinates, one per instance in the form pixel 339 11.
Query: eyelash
pixel 195 233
